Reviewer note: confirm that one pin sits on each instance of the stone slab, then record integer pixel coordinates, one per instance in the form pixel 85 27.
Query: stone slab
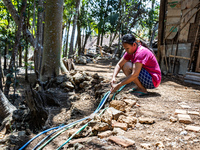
pixel 180 111
pixel 120 140
pixel 183 118
pixel 193 128
pixel 193 113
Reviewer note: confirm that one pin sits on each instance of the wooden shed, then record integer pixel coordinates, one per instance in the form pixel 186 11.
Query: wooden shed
pixel 179 36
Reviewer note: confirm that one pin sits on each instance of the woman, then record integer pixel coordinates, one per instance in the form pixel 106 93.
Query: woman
pixel 139 65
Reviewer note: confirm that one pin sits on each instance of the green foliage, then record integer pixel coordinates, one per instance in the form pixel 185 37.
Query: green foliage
pixel 7 29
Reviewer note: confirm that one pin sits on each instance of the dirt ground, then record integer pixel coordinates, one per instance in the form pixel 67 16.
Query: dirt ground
pixel 160 104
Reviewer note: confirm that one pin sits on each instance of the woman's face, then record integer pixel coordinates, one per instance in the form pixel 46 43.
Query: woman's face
pixel 130 49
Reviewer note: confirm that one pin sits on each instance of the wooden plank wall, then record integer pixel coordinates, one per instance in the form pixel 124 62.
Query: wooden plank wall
pixel 181 18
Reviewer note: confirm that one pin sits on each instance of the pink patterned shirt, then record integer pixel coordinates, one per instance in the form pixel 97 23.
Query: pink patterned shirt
pixel 147 58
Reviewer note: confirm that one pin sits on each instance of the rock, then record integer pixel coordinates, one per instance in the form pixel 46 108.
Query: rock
pixel 72 131
pixel 21 134
pixel 72 73
pixel 185 106
pixel 183 133
pixel 180 111
pixel 116 124
pixel 193 128
pixel 103 127
pixel 118 131
pixel 184 119
pixel 78 78
pixel 115 113
pixel 146 120
pixel 131 113
pixel 80 140
pixel 105 134
pixel 78 146
pixel 84 84
pixel 129 120
pixel 60 79
pixel 129 102
pixel 81 60
pixel 107 116
pixel 100 126
pixel 146 146
pixel 160 145
pixel 95 76
pixel 172 119
pixel 74 97
pixel 88 78
pixel 119 105
pixel 193 113
pixel 12 139
pixel 67 84
pixel 95 117
pixel 125 142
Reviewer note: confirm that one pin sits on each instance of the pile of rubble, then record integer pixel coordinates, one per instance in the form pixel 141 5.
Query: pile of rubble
pixel 119 118
pixel 99 53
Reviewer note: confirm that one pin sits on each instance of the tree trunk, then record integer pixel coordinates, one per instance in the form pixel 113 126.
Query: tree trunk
pixel 20 55
pixel 71 52
pixel 79 37
pixel 51 62
pixel 6 108
pixel 102 33
pixel 6 41
pixel 38 54
pixel 161 28
pixel 86 38
pixel 15 48
pixel 98 37
pixel 26 61
pixel 153 34
pixel 151 17
pixel 1 75
pixel 67 40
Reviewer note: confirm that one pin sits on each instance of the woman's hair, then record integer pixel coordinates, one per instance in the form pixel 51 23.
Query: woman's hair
pixel 128 38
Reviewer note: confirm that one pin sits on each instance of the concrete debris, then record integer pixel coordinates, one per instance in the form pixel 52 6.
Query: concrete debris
pixel 119 105
pixel 145 120
pixel 128 119
pixel 184 118
pixel 116 124
pixel 193 128
pixel 125 142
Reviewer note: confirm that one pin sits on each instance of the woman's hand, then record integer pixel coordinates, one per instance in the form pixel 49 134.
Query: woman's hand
pixel 112 82
pixel 114 88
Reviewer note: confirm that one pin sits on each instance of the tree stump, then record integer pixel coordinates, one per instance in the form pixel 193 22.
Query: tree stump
pixel 38 112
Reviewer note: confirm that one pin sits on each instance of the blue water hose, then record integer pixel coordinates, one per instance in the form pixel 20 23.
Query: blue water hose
pixel 39 135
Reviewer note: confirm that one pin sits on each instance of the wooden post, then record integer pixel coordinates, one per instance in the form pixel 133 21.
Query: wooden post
pixel 161 27
pixel 192 53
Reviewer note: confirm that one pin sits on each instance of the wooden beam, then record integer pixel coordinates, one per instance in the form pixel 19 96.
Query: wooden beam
pixel 180 57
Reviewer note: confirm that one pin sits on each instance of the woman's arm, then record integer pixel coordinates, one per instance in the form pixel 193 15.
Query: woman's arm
pixel 118 67
pixel 135 73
